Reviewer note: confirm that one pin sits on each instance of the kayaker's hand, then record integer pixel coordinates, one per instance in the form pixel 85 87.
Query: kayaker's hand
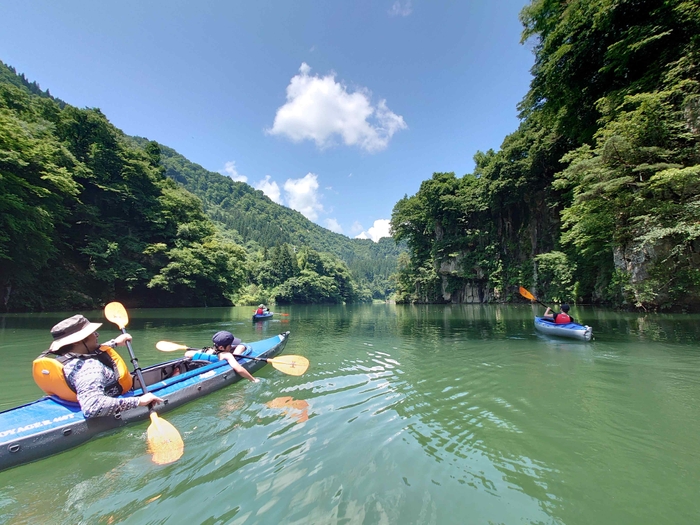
pixel 149 398
pixel 122 339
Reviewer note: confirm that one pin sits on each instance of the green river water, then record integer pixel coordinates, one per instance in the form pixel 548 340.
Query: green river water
pixel 425 414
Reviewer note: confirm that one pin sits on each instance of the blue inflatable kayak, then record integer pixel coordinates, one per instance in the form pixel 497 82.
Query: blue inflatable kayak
pixel 260 317
pixel 570 330
pixel 50 425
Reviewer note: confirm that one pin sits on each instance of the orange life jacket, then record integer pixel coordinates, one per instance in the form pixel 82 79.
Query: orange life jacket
pixel 49 375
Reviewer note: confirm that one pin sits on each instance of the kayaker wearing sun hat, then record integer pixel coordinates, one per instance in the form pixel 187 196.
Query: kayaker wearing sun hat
pixel 94 373
pixel 226 346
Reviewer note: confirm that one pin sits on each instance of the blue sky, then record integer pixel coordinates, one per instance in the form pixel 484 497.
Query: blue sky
pixel 336 109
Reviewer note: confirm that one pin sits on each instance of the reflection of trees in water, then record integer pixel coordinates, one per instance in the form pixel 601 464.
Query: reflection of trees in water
pixel 670 328
pixel 465 320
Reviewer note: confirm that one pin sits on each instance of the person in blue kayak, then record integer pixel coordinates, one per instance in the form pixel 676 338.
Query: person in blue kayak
pixel 562 317
pixel 262 309
pixel 80 367
pixel 226 347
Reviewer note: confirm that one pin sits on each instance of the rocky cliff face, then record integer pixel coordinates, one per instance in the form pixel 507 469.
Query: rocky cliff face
pixel 459 290
pixel 647 280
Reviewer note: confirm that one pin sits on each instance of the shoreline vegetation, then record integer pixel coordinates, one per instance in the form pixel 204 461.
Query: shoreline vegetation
pixel 594 199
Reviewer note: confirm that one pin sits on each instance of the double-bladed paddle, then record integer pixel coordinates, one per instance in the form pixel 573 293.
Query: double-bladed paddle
pixel 164 441
pixel 294 365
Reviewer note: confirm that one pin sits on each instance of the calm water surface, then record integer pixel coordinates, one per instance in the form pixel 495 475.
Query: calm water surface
pixel 431 414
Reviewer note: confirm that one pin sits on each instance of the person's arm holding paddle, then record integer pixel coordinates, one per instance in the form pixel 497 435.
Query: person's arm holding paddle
pixel 93 370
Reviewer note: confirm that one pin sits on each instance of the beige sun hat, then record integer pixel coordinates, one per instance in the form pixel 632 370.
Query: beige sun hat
pixel 71 330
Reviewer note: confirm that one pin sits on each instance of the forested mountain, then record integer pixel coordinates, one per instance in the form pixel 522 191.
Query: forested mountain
pixel 596 197
pixel 88 215
pixel 258 222
pixel 85 218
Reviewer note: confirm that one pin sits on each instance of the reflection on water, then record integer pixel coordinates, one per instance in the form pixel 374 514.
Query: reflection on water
pixel 295 408
pixel 421 414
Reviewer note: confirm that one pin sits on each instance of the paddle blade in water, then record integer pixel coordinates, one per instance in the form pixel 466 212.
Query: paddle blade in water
pixel 526 294
pixel 116 313
pixel 294 365
pixel 164 441
pixel 167 346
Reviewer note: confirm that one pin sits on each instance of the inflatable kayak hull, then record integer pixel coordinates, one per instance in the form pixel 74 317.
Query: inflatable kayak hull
pixel 50 425
pixel 570 330
pixel 261 317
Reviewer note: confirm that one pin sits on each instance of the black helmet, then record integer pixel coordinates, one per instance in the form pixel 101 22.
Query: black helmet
pixel 564 307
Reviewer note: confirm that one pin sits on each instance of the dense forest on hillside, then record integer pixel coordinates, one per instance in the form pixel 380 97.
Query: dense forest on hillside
pixel 257 222
pixel 596 196
pixel 89 215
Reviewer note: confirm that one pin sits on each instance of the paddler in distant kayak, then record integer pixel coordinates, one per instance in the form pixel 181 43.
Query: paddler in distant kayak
pixel 262 309
pixel 562 317
pixel 86 371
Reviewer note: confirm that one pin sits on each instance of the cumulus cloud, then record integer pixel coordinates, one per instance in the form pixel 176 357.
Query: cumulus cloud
pixel 302 195
pixel 334 226
pixel 231 171
pixel 321 109
pixel 399 8
pixel 356 228
pixel 377 231
pixel 270 188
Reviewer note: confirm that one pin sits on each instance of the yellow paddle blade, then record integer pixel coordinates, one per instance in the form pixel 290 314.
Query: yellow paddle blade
pixel 167 346
pixel 116 313
pixel 164 441
pixel 294 365
pixel 526 294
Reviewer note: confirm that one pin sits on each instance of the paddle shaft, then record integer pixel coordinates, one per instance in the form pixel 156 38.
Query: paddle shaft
pixel 237 355
pixel 137 368
pixel 542 303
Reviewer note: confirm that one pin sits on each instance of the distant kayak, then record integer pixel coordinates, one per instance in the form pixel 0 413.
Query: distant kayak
pixel 570 330
pixel 260 317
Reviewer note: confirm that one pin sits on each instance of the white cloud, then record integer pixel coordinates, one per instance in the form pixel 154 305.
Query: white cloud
pixel 377 231
pixel 401 8
pixel 302 195
pixel 231 171
pixel 356 228
pixel 319 109
pixel 269 188
pixel 333 226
